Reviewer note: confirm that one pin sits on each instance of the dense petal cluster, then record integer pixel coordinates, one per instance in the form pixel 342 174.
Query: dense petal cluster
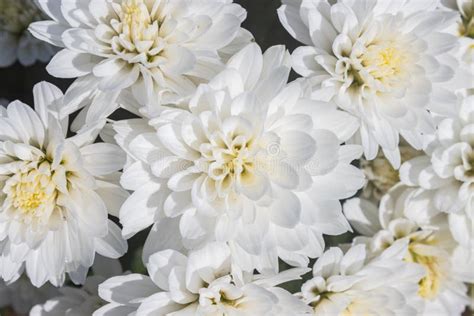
pixel 226 177
pixel 203 283
pixel 16 42
pixel 446 171
pixel 251 162
pixel 55 193
pixel 407 214
pixel 464 28
pixel 159 49
pixel 382 61
pixel 354 284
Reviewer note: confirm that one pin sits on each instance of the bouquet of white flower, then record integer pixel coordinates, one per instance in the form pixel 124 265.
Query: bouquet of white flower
pixel 224 184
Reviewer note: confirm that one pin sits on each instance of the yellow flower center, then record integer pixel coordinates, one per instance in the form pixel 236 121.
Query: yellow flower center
pixel 135 16
pixel 429 285
pixel 33 192
pixel 384 61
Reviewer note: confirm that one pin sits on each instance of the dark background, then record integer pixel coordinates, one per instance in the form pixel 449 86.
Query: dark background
pixel 17 82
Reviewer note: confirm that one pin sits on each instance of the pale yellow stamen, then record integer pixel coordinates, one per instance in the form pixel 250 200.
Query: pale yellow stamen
pixel 429 285
pixel 384 61
pixel 32 192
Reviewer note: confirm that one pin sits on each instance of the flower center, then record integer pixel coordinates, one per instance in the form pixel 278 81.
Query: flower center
pixel 466 26
pixel 384 61
pixel 32 192
pixel 229 162
pixel 138 38
pixel 429 286
pixel 135 18
pixel 16 15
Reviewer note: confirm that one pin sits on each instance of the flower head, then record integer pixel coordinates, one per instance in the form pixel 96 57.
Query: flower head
pixel 381 62
pixel 55 193
pixel 356 284
pixel 408 214
pixel 15 40
pixel 252 162
pixel 202 283
pixel 160 50
pixel 381 176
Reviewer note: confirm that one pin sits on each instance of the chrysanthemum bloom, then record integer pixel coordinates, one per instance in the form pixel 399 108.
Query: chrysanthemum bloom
pixel 205 283
pixel 15 39
pixel 21 295
pixel 446 172
pixel 81 301
pixel 387 62
pixel 356 284
pixel 407 214
pixel 464 28
pixel 56 193
pixel 252 162
pixel 381 176
pixel 159 49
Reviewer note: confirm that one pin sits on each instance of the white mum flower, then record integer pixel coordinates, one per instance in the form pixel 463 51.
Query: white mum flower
pixel 81 301
pixel 356 284
pixel 464 28
pixel 380 173
pixel 204 283
pixel 446 172
pixel 3 102
pixel 15 39
pixel 252 162
pixel 387 62
pixel 160 49
pixel 56 193
pixel 21 295
pixel 407 214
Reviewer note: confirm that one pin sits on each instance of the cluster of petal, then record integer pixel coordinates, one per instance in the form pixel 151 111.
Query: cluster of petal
pixel 386 62
pixel 446 171
pixel 157 49
pixel 407 214
pixel 464 28
pixel 203 283
pixel 355 284
pixel 16 42
pixel 81 301
pixel 251 162
pixel 381 176
pixel 56 193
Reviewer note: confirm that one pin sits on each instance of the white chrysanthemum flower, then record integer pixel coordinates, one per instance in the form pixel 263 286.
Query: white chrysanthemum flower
pixel 446 172
pixel 160 49
pixel 252 162
pixel 387 62
pixel 356 284
pixel 21 295
pixel 464 28
pixel 56 193
pixel 407 214
pixel 204 283
pixel 381 176
pixel 3 102
pixel 15 39
pixel 81 301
